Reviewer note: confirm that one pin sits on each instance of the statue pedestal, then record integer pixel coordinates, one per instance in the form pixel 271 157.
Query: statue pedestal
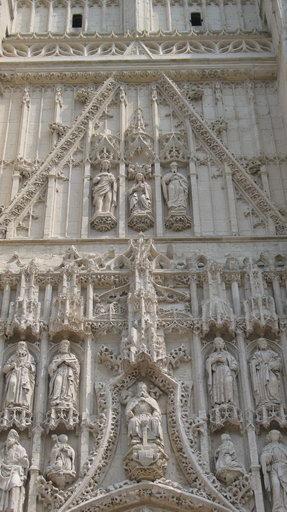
pixel 62 415
pixel 228 475
pixel 145 462
pixel 103 221
pixel 141 221
pixel 60 477
pixel 268 414
pixel 178 221
pixel 15 416
pixel 225 414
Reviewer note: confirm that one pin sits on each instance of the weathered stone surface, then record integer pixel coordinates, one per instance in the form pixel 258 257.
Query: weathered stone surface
pixel 143 270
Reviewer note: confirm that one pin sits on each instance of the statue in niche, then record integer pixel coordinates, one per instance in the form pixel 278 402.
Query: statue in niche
pixel 228 469
pixel 64 372
pixel 19 371
pixel 274 469
pixel 140 204
pixel 175 192
pixel 144 417
pixel 265 369
pixel 61 467
pixel 104 193
pixel 222 369
pixel 146 459
pixel 14 465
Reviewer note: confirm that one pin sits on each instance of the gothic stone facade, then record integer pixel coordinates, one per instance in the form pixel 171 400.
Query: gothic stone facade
pixel 143 271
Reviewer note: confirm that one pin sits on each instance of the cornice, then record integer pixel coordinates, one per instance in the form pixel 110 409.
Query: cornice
pixel 140 36
pixel 80 73
pixel 139 47
pixel 278 239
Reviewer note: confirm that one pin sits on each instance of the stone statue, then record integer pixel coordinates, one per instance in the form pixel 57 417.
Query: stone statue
pixel 228 469
pixel 265 369
pixel 104 193
pixel 175 192
pixel 64 372
pixel 221 369
pixel 274 468
pixel 140 204
pixel 61 467
pixel 144 417
pixel 14 466
pixel 19 371
pixel 146 458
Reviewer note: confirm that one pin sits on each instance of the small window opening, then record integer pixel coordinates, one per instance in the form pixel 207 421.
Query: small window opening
pixel 195 19
pixel 77 21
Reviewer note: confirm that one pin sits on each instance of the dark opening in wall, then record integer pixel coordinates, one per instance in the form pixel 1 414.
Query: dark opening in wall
pixel 77 21
pixel 195 19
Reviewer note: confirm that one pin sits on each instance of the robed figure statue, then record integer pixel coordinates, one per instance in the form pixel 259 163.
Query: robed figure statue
pixel 14 465
pixel 274 469
pixel 64 372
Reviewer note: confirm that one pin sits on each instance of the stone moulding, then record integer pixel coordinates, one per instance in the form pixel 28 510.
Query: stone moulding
pixel 157 494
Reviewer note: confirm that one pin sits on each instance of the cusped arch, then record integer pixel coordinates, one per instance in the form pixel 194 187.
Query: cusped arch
pixel 157 495
pixel 188 458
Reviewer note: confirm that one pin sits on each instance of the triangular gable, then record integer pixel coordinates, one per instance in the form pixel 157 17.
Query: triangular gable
pixel 242 180
pixel 59 154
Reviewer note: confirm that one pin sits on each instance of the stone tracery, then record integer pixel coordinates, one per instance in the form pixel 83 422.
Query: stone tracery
pixel 135 356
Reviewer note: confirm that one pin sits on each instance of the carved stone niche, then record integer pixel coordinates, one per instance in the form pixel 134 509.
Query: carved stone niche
pixel 24 313
pixel 64 375
pixel 140 204
pixel 146 458
pixel 67 315
pixel 266 373
pixel 61 468
pixel 176 194
pixel 104 198
pixel 260 315
pixel 222 370
pixel 19 372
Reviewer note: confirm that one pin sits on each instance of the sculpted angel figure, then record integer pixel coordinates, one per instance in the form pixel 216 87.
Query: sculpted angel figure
pixel 274 468
pixel 143 417
pixel 227 466
pixel 140 197
pixel 265 368
pixel 64 372
pixel 19 371
pixel 14 465
pixel 175 190
pixel 221 369
pixel 104 190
